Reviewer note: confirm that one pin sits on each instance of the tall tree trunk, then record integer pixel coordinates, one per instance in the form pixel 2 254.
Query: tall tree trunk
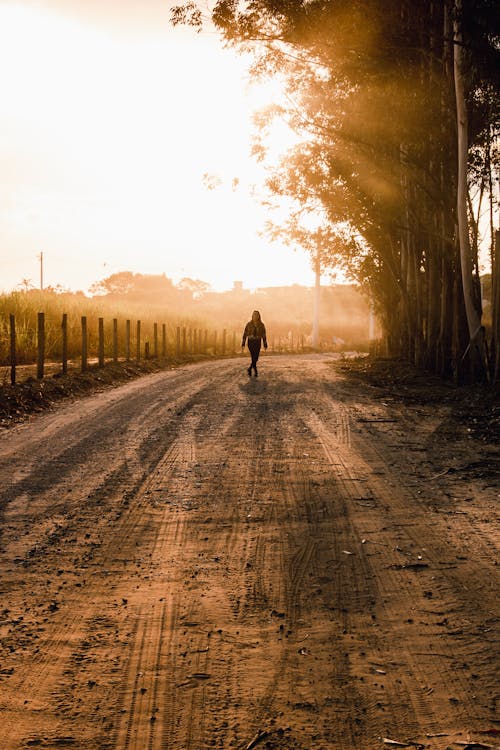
pixel 495 304
pixel 445 343
pixel 419 314
pixel 495 271
pixel 434 292
pixel 406 275
pixel 432 282
pixel 447 184
pixel 473 317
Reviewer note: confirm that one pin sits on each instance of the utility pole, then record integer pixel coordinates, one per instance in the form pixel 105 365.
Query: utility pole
pixel 317 297
pixel 41 270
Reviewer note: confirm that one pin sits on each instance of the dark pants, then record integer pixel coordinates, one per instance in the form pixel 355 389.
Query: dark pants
pixel 254 347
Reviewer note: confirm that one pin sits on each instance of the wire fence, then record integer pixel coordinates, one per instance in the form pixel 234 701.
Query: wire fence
pixel 79 344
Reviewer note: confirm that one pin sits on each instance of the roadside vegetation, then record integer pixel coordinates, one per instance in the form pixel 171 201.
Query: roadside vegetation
pixel 155 299
pixel 26 306
pixel 397 112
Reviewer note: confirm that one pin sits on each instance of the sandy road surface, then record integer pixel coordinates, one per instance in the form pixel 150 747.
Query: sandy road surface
pixel 199 560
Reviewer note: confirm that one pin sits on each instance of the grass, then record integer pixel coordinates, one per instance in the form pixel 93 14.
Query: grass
pixel 26 306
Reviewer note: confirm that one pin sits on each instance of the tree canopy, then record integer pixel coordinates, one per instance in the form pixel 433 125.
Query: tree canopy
pixel 155 287
pixel 371 87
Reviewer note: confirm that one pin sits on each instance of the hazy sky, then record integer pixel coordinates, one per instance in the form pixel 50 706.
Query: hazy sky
pixel 109 118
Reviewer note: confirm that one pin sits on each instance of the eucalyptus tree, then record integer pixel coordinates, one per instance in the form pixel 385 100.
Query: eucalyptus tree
pixel 380 93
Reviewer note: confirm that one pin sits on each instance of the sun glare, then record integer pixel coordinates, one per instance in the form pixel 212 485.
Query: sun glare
pixel 106 139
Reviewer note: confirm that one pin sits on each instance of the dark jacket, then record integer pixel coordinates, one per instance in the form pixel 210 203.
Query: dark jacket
pixel 254 331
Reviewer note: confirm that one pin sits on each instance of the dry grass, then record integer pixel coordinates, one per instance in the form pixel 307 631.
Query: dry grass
pixel 26 306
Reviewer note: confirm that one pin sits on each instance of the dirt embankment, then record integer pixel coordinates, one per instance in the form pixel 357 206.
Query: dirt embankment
pixel 32 396
pixel 476 407
pixel 197 559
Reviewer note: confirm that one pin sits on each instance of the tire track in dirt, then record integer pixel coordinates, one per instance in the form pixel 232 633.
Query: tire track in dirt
pixel 351 479
pixel 186 687
pixel 416 685
pixel 193 714
pixel 29 680
pixel 229 591
pixel 460 603
pixel 155 624
pixel 157 531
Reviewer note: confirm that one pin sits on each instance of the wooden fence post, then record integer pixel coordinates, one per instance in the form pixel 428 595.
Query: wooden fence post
pixel 64 327
pixel 155 340
pixel 138 340
pixel 84 343
pixel 100 351
pixel 164 340
pixel 215 342
pixel 41 345
pixel 178 342
pixel 127 340
pixel 205 341
pixel 115 339
pixel 223 342
pixel 146 350
pixel 13 361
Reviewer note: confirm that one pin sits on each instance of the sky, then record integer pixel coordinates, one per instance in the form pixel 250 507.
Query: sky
pixel 109 120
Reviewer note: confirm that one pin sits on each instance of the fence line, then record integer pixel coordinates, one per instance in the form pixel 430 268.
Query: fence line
pixel 138 340
pixel 12 323
pixel 100 350
pixel 64 329
pixel 41 345
pixel 185 341
pixel 155 340
pixel 127 340
pixel 84 343
pixel 115 339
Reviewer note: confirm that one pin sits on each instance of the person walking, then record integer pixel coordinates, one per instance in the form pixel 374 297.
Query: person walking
pixel 255 333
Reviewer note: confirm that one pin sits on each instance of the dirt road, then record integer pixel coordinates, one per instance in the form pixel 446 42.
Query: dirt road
pixel 202 560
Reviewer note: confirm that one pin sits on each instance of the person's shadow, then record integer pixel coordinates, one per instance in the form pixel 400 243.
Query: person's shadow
pixel 253 386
